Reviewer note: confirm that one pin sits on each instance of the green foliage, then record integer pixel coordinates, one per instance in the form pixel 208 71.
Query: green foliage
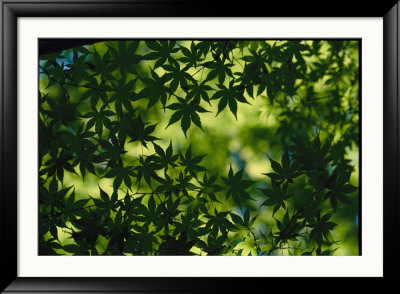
pixel 114 179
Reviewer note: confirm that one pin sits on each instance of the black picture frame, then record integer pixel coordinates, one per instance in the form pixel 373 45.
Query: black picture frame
pixel 12 9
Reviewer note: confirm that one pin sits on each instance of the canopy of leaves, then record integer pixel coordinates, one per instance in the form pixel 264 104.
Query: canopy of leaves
pixel 200 147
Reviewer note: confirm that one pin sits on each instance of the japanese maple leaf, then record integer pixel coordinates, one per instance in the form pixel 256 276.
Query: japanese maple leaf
pixel 191 56
pixel 97 90
pixel 151 212
pixel 123 95
pixel 62 111
pixel 84 150
pixel 197 91
pixel 56 165
pixel 191 164
pixel 312 155
pixel 146 169
pixel 210 188
pixel 166 158
pixel 186 112
pixel 162 51
pixel 276 196
pixel 321 227
pixel 176 75
pixel 237 186
pixel 154 90
pixel 285 172
pixel 219 222
pixel 245 222
pixel 229 96
pixel 124 57
pixel 219 69
pixel 255 65
pixel 101 65
pixel 138 130
pixel 99 118
pixel 338 186
pixel 121 173
pixel 79 66
pixel 184 183
pixel 113 149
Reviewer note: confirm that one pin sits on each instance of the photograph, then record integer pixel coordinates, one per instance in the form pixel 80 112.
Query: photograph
pixel 197 147
pixel 228 147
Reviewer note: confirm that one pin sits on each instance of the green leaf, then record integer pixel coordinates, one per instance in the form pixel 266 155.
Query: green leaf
pixel 187 112
pixel 229 96
pixel 237 186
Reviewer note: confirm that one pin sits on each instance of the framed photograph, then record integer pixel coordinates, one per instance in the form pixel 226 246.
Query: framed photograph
pixel 168 147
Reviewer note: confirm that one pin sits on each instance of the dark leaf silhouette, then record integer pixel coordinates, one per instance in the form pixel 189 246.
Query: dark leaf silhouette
pixel 186 113
pixel 237 186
